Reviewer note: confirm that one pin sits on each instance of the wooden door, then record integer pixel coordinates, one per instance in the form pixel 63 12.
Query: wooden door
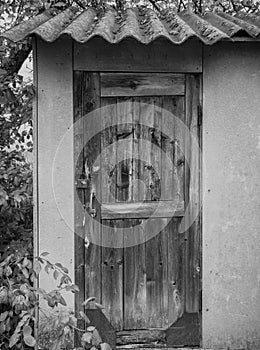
pixel 137 178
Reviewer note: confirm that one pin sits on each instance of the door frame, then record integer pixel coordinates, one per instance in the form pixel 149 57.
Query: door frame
pixel 79 111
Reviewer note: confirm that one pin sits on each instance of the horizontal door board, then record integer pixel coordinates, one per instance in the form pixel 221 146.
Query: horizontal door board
pixel 141 336
pixel 141 84
pixel 131 56
pixel 139 210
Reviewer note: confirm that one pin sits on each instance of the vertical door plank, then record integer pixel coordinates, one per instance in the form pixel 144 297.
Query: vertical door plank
pixel 193 252
pixel 109 149
pixel 147 117
pixel 176 297
pixel 134 282
pixel 112 274
pixel 145 147
pixel 172 143
pixel 168 173
pixel 179 137
pixel 91 101
pixel 134 257
pixel 112 258
pixel 124 152
pixel 156 256
pixel 79 195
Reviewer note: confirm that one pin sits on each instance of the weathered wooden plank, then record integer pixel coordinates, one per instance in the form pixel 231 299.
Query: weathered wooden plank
pixel 142 84
pixel 90 102
pixel 109 149
pixel 134 256
pixel 135 280
pixel 145 147
pixel 112 258
pixel 131 56
pixel 112 273
pixel 176 295
pixel 193 246
pixel 155 316
pixel 79 195
pixel 124 150
pixel 135 210
pixel 141 336
pixel 172 177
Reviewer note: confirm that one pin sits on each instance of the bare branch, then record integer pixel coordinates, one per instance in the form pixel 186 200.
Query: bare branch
pixel 79 4
pixel 153 2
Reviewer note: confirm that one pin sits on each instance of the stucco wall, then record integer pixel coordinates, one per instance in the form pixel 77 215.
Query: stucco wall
pixel 231 218
pixel 55 183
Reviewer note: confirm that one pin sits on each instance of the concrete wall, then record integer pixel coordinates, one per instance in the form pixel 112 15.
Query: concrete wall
pixel 231 218
pixel 54 180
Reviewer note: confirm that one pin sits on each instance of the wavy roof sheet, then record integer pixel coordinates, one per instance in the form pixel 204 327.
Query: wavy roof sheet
pixel 140 23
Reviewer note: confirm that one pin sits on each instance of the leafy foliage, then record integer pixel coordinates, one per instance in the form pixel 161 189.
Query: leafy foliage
pixel 20 299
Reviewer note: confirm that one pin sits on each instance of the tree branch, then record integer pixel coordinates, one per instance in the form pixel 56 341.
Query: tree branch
pixel 79 4
pixel 153 2
pixel 17 57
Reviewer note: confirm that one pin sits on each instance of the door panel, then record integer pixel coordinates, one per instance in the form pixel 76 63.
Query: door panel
pixel 148 285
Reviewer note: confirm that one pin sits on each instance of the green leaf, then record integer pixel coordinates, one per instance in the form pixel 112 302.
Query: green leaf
pixel 2 327
pixel 29 340
pixel 27 330
pixel 3 316
pixel 105 346
pixel 25 272
pixel 86 338
pixel 62 301
pixel 84 317
pixel 45 254
pixel 14 339
pixel 8 271
pixel 96 340
pixel 55 274
pixel 37 267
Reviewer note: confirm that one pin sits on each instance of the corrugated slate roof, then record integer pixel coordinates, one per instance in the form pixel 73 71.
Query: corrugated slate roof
pixel 140 23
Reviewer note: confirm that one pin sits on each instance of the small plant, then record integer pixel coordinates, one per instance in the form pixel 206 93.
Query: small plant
pixel 20 299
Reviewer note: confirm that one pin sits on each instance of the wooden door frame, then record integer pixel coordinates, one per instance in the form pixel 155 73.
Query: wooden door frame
pixel 79 241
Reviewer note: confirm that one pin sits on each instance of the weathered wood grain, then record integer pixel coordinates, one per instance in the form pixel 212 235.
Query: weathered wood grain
pixel 176 277
pixel 135 210
pixel 124 150
pixel 134 256
pixel 90 102
pixel 172 142
pixel 142 84
pixel 109 149
pixel 134 281
pixel 156 255
pixel 131 56
pixel 141 336
pixel 112 274
pixel 152 284
pixel 193 246
pixel 79 196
